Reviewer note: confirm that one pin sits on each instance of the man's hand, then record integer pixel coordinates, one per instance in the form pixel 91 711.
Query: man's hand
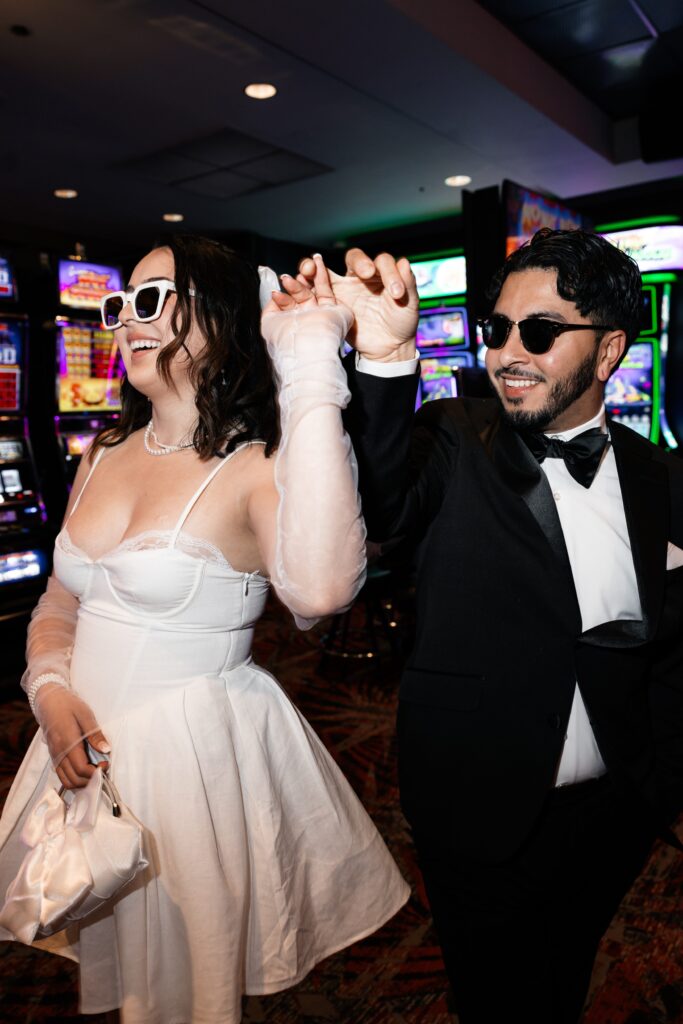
pixel 382 295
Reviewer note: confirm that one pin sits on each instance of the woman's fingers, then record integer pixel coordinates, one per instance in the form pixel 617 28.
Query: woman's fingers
pixel 314 274
pixel 301 293
pixel 280 300
pixel 99 745
pixel 99 741
pixel 307 268
pixel 78 760
pixel 71 776
pixel 322 283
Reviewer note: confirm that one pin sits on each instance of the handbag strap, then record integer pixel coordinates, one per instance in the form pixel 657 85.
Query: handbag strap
pixel 111 791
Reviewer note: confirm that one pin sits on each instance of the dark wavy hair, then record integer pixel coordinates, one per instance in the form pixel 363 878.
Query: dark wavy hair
pixel 233 377
pixel 602 281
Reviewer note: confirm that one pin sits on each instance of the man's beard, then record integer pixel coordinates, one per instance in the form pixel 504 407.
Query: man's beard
pixel 563 393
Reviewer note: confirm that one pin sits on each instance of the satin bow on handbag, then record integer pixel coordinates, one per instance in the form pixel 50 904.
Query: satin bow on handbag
pixel 83 849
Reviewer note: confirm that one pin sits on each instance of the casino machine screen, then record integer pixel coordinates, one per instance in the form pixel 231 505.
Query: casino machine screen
pixel 82 285
pixel 442 328
pixel 89 368
pixel 438 277
pixel 628 394
pixel 8 288
pixel 10 366
pixel 527 211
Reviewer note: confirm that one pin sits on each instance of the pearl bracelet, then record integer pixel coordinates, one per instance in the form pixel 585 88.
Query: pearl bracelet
pixel 35 685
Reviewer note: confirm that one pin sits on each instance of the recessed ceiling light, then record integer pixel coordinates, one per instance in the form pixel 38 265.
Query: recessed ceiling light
pixel 65 193
pixel 260 90
pixel 457 180
pixel 174 218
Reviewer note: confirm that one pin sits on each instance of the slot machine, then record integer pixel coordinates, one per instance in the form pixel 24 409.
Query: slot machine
pixel 646 392
pixel 25 541
pixel 442 332
pixel 88 362
pixel 522 212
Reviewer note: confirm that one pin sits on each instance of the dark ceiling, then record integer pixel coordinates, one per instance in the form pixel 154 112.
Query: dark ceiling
pixel 623 54
pixel 139 105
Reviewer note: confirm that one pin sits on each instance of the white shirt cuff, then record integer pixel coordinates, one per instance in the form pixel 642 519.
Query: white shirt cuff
pixel 376 369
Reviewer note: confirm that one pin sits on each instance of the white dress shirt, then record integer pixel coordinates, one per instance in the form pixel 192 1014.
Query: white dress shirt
pixel 595 533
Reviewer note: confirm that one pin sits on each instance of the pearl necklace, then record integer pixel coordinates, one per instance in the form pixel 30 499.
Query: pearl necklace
pixel 161 449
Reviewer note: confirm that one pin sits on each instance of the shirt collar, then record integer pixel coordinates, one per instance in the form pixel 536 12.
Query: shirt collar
pixel 599 420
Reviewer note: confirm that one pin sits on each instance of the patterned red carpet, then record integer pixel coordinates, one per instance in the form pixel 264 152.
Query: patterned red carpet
pixel 395 977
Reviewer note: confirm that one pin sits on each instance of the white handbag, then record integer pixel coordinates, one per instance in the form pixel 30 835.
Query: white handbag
pixel 84 847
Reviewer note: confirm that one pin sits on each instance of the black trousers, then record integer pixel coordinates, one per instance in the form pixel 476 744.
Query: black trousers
pixel 519 938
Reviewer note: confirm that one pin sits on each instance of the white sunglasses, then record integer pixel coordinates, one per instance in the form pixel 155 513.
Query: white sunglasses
pixel 147 302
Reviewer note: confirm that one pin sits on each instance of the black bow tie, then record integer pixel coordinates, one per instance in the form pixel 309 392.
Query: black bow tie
pixel 581 455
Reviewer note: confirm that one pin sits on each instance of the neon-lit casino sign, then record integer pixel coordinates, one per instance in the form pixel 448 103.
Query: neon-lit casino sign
pixel 655 247
pixel 82 285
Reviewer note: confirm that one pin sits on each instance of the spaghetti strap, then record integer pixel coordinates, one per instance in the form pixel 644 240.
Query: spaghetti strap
pixel 202 487
pixel 87 479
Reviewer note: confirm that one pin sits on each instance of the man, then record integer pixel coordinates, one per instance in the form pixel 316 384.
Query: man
pixel 541 712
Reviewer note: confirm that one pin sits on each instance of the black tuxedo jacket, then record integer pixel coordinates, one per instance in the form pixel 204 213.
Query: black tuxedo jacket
pixel 486 695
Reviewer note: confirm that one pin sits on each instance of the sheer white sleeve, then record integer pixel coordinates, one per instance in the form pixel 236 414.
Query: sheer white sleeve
pixel 64 718
pixel 319 563
pixel 50 635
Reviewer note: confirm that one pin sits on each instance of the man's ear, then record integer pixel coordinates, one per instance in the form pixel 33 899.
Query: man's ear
pixel 612 348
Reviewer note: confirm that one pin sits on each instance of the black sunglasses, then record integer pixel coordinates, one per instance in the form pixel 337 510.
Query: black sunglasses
pixel 537 334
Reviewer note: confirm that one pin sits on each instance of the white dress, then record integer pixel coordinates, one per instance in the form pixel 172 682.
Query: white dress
pixel 262 859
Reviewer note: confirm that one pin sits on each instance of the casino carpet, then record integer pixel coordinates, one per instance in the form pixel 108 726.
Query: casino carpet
pixel 394 977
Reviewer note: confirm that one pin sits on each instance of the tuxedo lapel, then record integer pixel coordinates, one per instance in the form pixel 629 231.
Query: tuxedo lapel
pixel 643 485
pixel 644 491
pixel 521 472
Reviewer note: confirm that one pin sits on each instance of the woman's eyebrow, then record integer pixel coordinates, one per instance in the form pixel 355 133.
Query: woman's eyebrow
pixel 147 280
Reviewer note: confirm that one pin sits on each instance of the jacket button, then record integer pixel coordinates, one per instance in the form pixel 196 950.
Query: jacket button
pixel 555 721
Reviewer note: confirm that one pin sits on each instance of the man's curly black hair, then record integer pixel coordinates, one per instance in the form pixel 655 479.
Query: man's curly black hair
pixel 602 281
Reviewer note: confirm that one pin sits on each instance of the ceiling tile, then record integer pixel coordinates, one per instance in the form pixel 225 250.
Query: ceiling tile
pixel 634 63
pixel 673 42
pixel 282 167
pixel 165 168
pixel 219 185
pixel 620 101
pixel 225 148
pixel 511 11
pixel 664 14
pixel 583 28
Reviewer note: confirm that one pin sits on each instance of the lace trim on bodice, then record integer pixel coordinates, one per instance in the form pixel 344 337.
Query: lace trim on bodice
pixel 151 540
pixel 157 540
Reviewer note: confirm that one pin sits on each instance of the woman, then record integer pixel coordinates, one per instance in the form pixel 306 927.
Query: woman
pixel 262 861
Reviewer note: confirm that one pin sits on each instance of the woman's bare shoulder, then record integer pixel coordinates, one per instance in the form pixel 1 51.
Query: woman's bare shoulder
pixel 253 456
pixel 249 470
pixel 109 451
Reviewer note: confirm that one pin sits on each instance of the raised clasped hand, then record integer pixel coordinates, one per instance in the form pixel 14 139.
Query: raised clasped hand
pixel 307 293
pixel 324 324
pixel 382 295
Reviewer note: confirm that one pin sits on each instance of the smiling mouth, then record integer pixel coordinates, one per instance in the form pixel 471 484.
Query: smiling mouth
pixel 519 384
pixel 144 345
